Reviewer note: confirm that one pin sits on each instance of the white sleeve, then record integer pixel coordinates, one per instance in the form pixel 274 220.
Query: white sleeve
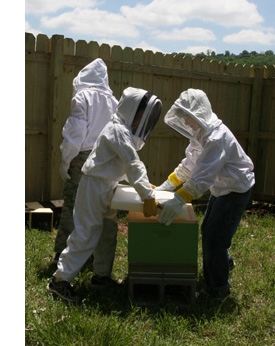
pixel 208 165
pixel 191 156
pixel 137 177
pixel 75 129
pixel 134 168
pixel 187 165
pixel 182 173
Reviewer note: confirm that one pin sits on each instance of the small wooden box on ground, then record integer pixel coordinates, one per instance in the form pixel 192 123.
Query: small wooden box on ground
pixel 162 259
pixel 36 216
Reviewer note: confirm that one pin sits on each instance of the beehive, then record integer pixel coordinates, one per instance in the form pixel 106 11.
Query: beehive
pixel 162 259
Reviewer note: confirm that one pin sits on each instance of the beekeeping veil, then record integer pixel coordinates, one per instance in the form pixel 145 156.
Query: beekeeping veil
pixel 191 115
pixel 140 111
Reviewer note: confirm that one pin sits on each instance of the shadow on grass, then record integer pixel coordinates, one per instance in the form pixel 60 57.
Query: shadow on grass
pixel 116 299
pixel 110 300
pixel 200 208
pixel 46 270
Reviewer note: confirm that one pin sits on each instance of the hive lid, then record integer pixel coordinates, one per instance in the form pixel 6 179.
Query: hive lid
pixel 126 198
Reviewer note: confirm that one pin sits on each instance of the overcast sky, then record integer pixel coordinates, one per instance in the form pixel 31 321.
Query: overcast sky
pixel 190 26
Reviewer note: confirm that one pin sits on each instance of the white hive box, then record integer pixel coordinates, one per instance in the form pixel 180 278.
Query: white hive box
pixel 126 198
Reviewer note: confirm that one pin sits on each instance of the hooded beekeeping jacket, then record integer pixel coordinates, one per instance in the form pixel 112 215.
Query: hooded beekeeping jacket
pixel 214 158
pixel 114 156
pixel 92 106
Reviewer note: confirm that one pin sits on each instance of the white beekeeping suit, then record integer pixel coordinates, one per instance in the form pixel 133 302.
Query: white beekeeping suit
pixel 92 105
pixel 113 158
pixel 214 158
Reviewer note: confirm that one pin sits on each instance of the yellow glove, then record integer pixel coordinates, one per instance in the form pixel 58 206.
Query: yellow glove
pixel 153 186
pixel 150 207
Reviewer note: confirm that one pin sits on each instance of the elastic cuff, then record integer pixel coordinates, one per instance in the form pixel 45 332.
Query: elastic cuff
pixel 174 179
pixel 185 195
pixel 150 195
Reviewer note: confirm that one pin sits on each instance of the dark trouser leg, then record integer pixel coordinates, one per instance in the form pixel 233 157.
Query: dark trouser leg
pixel 219 225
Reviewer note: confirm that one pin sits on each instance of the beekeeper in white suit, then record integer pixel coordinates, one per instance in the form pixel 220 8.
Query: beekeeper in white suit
pixel 114 158
pixel 92 107
pixel 216 161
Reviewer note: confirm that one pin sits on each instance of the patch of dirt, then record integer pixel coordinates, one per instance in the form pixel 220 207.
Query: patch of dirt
pixel 261 209
pixel 122 228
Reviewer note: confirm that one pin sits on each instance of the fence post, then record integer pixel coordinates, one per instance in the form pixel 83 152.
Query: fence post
pixel 255 113
pixel 54 120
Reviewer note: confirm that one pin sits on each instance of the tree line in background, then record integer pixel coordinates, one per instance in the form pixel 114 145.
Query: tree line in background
pixel 245 57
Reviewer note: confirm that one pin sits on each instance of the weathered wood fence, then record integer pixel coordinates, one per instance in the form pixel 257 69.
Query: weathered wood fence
pixel 242 96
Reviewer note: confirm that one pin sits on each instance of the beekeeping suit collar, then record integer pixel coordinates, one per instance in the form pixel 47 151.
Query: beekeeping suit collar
pixel 191 115
pixel 93 75
pixel 140 111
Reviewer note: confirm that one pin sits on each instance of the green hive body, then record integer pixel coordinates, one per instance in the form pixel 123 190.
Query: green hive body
pixel 162 256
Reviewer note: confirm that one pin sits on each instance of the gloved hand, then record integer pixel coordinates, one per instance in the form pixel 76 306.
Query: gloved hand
pixel 150 207
pixel 63 170
pixel 171 209
pixel 166 186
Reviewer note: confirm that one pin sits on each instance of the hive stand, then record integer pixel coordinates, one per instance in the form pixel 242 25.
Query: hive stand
pixel 162 260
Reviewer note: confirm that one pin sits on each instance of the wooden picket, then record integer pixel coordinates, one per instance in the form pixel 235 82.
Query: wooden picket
pixel 242 96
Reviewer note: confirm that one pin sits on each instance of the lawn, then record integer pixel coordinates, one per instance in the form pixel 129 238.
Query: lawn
pixel 108 317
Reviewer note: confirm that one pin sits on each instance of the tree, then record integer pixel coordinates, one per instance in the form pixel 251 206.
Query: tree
pixel 244 53
pixel 252 58
pixel 269 52
pixel 201 55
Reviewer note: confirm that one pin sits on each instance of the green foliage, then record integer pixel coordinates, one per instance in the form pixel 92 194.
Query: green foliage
pixel 108 318
pixel 245 57
pixel 250 59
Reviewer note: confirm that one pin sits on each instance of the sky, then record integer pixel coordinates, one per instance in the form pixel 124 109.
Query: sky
pixel 167 26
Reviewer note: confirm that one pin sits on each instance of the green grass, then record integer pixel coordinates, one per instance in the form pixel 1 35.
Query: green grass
pixel 108 317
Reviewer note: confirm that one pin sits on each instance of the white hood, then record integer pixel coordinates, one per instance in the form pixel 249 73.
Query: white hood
pixel 93 75
pixel 214 158
pixel 195 105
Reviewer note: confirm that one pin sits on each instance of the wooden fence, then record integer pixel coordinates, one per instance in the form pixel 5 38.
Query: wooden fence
pixel 242 96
